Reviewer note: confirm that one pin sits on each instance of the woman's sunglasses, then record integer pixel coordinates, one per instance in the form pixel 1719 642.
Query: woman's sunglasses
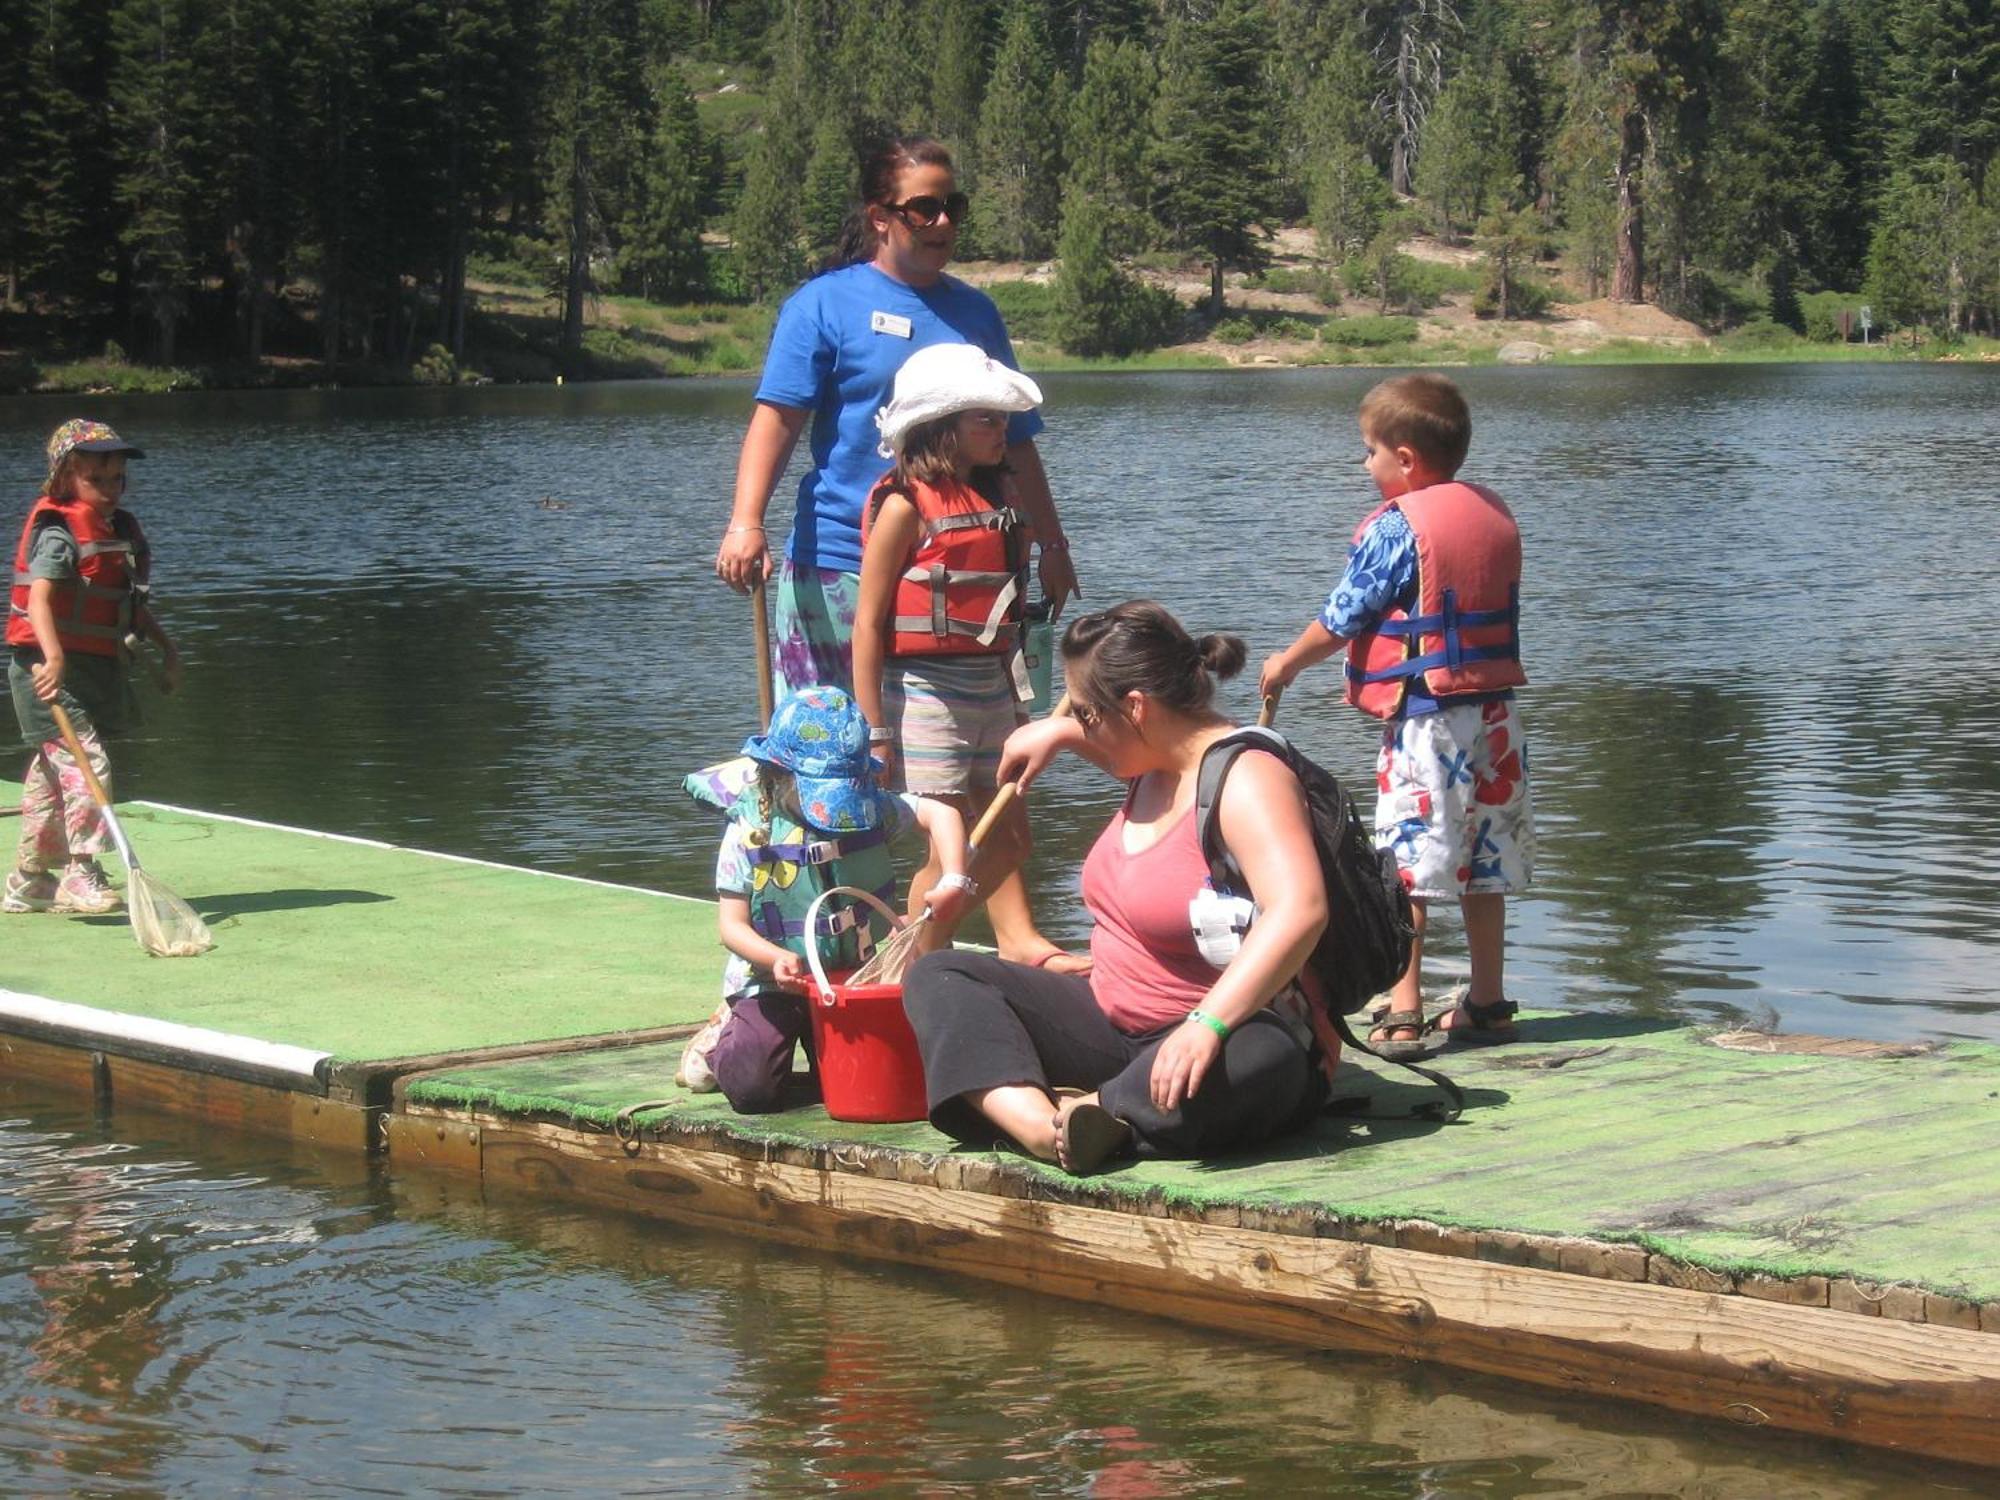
pixel 925 210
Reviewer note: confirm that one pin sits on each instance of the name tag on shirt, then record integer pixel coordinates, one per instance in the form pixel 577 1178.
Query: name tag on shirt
pixel 889 323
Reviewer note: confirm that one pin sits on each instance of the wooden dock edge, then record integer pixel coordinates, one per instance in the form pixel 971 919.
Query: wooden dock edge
pixel 344 1112
pixel 1924 1389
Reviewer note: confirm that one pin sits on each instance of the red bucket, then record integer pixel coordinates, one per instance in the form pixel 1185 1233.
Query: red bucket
pixel 869 1067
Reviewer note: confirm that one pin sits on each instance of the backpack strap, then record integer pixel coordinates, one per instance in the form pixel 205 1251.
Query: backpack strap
pixel 1226 875
pixel 1215 763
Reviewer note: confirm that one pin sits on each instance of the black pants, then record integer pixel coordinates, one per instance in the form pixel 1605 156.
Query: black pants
pixel 983 1022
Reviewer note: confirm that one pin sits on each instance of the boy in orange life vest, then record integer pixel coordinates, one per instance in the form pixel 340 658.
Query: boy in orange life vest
pixel 1429 611
pixel 79 590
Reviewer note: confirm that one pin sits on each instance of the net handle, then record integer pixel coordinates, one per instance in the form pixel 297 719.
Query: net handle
pixel 822 984
pixel 97 793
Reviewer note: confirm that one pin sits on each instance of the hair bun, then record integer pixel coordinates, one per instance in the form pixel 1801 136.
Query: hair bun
pixel 1223 655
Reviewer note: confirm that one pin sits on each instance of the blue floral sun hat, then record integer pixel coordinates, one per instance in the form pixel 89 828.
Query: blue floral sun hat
pixel 819 736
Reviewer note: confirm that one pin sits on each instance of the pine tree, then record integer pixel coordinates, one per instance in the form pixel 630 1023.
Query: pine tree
pixel 250 204
pixel 1943 99
pixel 765 229
pixel 662 234
pixel 1109 143
pixel 957 49
pixel 594 96
pixel 828 190
pixel 1019 147
pixel 1410 47
pixel 1924 246
pixel 1101 309
pixel 153 80
pixel 1467 160
pixel 1214 159
pixel 1774 185
pixel 1339 133
pixel 67 232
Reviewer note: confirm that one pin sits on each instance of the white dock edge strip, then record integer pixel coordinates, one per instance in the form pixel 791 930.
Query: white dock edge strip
pixel 115 1026
pixel 458 859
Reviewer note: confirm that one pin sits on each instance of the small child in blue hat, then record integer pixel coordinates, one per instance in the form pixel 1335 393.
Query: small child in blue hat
pixel 806 814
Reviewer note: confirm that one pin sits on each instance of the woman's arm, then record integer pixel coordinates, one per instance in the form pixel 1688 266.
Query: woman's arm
pixel 892 536
pixel 745 553
pixel 1031 485
pixel 1030 748
pixel 1267 830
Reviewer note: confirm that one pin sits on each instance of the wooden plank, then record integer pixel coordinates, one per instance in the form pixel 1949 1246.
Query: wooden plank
pixel 1872 1380
pixel 432 1141
pixel 374 1079
pixel 68 1068
pixel 225 1104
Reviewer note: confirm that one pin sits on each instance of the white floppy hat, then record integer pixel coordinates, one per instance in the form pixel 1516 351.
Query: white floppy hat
pixel 946 378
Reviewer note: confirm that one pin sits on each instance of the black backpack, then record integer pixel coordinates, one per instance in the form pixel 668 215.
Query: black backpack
pixel 1366 945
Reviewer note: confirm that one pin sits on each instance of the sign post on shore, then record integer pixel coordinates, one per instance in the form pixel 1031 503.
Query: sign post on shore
pixel 1867 321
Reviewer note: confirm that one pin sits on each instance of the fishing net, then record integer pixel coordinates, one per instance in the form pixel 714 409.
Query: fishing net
pixel 889 961
pixel 164 925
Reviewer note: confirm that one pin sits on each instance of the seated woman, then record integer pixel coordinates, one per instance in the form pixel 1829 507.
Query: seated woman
pixel 1155 1052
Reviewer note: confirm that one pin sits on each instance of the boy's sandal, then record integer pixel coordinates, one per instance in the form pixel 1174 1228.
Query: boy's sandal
pixel 1419 1045
pixel 1087 1136
pixel 1483 1025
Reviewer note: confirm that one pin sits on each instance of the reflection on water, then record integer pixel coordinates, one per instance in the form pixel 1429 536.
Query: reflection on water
pixel 1761 729
pixel 227 1318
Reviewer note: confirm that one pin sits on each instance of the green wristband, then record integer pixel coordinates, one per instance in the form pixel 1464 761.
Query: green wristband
pixel 1220 1028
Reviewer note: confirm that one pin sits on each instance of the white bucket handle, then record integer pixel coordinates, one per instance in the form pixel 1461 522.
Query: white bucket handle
pixel 820 981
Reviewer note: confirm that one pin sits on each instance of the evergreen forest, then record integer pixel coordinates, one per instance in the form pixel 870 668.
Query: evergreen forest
pixel 224 181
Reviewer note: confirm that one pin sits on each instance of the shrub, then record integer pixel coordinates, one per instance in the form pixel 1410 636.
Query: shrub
pixel 1760 333
pixel 1234 331
pixel 435 366
pixel 1029 308
pixel 1529 295
pixel 1369 332
pixel 1316 284
pixel 1289 328
pixel 1822 312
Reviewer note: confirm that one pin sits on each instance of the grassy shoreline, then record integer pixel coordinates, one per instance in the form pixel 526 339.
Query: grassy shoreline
pixel 513 339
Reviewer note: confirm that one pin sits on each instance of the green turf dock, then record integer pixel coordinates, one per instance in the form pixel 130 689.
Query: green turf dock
pixel 1761 1230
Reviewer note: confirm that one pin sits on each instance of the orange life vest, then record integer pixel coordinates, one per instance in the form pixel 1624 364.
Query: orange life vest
pixel 96 612
pixel 1464 636
pixel 963 588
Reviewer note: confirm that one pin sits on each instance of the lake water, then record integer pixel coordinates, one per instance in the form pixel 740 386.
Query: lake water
pixel 483 621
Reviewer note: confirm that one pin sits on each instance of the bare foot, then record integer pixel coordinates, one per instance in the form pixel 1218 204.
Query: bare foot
pixel 1088 1135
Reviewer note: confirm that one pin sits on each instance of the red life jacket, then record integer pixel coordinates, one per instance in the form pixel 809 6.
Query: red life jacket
pixel 962 590
pixel 1465 636
pixel 94 613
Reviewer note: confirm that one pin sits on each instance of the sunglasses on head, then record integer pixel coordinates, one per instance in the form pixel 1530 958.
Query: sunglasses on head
pixel 926 209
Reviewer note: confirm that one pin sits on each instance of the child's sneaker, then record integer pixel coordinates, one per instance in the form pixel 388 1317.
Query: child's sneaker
pixel 27 892
pixel 84 889
pixel 694 1074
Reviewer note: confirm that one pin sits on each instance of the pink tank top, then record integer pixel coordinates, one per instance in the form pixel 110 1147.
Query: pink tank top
pixel 1145 969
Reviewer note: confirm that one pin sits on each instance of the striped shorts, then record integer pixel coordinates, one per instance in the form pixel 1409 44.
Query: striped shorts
pixel 951 715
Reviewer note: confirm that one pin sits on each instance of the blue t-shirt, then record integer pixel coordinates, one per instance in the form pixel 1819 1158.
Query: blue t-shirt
pixel 839 342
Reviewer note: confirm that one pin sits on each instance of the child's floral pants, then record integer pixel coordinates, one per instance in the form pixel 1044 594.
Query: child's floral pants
pixel 59 821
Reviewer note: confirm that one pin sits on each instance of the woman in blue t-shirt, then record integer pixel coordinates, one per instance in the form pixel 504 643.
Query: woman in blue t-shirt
pixel 834 354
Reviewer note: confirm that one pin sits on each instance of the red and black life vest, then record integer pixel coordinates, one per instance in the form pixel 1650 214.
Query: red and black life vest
pixel 1465 635
pixel 95 612
pixel 962 590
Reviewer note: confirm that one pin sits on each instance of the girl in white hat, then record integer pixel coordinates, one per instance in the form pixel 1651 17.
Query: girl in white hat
pixel 938 670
